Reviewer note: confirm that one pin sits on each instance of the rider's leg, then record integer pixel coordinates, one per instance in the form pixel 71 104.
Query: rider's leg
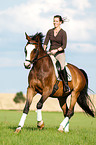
pixel 63 74
pixel 65 80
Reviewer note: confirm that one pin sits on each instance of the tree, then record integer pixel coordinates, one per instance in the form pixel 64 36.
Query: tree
pixel 19 98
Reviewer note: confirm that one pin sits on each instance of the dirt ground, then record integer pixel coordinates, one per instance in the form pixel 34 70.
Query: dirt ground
pixel 51 104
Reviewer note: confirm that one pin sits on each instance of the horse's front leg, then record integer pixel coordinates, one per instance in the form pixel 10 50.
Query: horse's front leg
pixel 30 94
pixel 40 123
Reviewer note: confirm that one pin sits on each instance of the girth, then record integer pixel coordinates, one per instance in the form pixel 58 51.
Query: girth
pixel 55 88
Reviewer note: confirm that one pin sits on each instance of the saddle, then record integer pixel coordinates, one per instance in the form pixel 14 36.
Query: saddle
pixel 57 68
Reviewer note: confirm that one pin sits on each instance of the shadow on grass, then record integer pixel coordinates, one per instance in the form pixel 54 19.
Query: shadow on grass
pixel 28 128
pixel 25 128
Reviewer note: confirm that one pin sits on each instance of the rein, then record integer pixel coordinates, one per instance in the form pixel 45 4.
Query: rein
pixel 34 60
pixel 42 57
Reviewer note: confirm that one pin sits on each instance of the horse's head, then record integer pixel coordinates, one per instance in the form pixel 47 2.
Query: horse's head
pixel 32 49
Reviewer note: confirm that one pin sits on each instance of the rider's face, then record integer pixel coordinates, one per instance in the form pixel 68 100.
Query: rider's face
pixel 56 22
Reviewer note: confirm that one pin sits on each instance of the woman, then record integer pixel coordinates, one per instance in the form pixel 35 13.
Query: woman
pixel 58 40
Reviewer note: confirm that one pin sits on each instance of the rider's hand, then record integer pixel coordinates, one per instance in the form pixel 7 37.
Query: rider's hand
pixel 54 51
pixel 45 47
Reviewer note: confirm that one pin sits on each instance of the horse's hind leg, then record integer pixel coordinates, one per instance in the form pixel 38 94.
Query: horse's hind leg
pixel 74 97
pixel 63 105
pixel 30 95
pixel 70 112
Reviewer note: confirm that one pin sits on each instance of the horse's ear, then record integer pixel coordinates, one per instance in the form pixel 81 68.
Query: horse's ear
pixel 27 37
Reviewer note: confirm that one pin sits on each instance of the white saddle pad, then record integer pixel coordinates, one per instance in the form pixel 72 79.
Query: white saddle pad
pixel 68 74
pixel 56 72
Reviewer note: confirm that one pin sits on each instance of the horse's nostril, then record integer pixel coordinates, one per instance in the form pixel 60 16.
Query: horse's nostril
pixel 27 66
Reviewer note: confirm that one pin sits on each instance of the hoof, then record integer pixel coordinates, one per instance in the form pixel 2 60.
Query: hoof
pixel 17 130
pixel 60 129
pixel 40 125
pixel 66 131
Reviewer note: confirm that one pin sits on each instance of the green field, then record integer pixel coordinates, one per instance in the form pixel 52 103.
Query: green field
pixel 82 129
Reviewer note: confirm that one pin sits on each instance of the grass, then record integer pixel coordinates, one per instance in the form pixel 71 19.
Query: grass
pixel 82 129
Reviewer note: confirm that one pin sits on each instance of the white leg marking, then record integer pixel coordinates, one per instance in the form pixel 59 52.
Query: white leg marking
pixel 39 115
pixel 21 123
pixel 67 127
pixel 63 124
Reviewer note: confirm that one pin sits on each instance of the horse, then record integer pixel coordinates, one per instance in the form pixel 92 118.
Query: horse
pixel 42 79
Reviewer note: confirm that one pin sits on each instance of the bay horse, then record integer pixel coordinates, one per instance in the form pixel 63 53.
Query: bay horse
pixel 42 79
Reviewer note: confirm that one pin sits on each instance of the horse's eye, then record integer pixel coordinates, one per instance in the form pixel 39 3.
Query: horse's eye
pixel 35 50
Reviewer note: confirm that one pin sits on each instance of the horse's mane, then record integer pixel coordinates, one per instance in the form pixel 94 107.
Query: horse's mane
pixel 33 37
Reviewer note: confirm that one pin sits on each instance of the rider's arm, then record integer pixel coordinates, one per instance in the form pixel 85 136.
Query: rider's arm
pixel 60 49
pixel 64 40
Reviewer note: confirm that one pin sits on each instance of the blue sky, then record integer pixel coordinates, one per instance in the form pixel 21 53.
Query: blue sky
pixel 20 16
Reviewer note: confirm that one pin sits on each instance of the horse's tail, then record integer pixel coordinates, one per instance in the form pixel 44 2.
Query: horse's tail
pixel 84 100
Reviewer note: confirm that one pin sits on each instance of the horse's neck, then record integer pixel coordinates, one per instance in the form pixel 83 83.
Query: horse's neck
pixel 43 59
pixel 41 52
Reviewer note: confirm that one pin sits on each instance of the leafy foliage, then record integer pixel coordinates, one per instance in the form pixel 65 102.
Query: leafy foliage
pixel 19 98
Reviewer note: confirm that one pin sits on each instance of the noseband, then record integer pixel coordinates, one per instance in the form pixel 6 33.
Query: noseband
pixel 35 58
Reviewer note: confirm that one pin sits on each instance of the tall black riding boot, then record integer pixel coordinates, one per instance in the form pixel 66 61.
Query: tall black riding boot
pixel 64 78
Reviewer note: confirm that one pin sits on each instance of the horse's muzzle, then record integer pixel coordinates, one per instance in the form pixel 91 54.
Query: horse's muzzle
pixel 27 65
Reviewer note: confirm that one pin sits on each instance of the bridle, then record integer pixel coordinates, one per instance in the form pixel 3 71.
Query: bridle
pixel 37 53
